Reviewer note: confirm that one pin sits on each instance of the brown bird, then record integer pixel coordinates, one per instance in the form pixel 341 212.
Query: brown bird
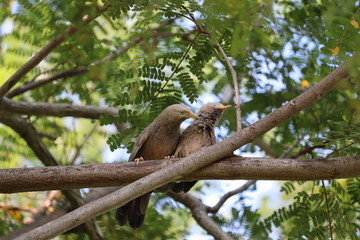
pixel 198 135
pixel 156 141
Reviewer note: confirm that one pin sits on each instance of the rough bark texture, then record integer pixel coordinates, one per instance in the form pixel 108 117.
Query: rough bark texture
pixel 232 168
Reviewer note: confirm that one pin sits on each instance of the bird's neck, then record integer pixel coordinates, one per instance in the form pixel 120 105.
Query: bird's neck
pixel 208 119
pixel 170 127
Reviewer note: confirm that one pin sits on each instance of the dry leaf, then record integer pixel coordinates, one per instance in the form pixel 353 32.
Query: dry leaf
pixel 335 51
pixel 305 83
pixel 354 23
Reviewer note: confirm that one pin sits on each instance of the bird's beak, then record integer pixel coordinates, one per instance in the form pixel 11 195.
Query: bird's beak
pixel 193 115
pixel 224 107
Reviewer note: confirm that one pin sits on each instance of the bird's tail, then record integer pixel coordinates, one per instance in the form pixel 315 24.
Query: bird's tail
pixel 133 212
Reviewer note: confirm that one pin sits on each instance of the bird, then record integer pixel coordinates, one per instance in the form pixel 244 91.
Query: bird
pixel 156 141
pixel 196 136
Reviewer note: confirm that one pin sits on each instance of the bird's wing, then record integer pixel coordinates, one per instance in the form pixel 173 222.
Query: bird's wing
pixel 140 140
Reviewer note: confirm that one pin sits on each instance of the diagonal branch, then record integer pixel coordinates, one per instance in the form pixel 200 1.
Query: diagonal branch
pixel 33 62
pixel 188 164
pixel 55 109
pixel 45 51
pixel 35 84
pixel 84 69
pixel 198 210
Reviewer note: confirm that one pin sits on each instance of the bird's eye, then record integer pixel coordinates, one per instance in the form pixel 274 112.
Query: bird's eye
pixel 182 112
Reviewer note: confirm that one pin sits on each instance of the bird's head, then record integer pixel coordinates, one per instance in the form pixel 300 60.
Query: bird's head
pixel 212 112
pixel 179 112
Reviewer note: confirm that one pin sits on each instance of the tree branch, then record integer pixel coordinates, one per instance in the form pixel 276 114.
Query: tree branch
pixel 235 83
pixel 35 60
pixel 55 109
pixel 228 195
pixel 198 210
pixel 188 164
pixel 233 168
pixel 35 84
pixel 43 219
pixel 84 69
pixel 27 131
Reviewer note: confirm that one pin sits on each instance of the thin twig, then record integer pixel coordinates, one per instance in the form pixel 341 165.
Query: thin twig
pixel 45 72
pixel 79 147
pixel 172 74
pixel 227 61
pixel 235 82
pixel 327 209
pixel 13 208
pixel 288 151
pixel 226 196
pixel 339 149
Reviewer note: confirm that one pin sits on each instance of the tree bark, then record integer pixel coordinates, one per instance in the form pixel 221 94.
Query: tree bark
pixel 232 168
pixel 55 109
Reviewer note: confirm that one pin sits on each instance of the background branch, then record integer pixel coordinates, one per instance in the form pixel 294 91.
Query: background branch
pixel 198 211
pixel 228 195
pixel 35 60
pixel 55 109
pixel 43 219
pixel 84 69
pixel 28 132
pixel 235 83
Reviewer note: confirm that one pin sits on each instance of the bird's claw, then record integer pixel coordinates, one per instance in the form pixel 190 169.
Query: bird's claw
pixel 137 160
pixel 169 157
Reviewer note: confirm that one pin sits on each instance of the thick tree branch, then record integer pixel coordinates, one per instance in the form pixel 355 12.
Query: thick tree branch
pixel 55 109
pixel 188 164
pixel 198 210
pixel 232 168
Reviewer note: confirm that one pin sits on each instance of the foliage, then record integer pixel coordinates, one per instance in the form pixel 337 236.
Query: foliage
pixel 168 55
pixel 309 213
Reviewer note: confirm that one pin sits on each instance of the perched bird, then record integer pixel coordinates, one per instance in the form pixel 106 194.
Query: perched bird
pixel 156 141
pixel 198 135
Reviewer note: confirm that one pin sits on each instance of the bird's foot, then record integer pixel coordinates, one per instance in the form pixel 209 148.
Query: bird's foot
pixel 169 157
pixel 137 160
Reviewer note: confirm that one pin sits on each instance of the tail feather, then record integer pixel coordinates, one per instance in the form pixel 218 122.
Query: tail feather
pixel 133 212
pixel 122 214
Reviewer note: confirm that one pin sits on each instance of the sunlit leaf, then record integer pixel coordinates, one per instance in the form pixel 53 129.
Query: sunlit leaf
pixel 305 83
pixel 354 23
pixel 335 51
